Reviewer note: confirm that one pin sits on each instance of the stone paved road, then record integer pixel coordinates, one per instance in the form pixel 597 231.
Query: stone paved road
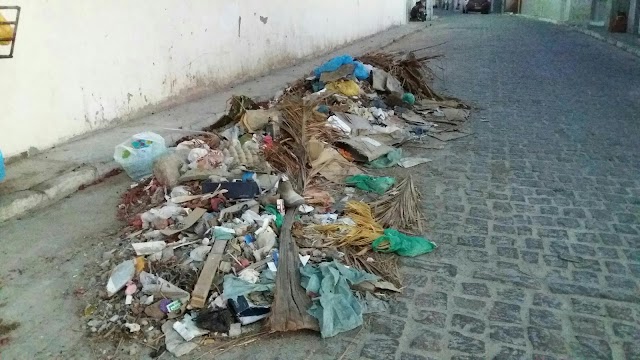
pixel 537 215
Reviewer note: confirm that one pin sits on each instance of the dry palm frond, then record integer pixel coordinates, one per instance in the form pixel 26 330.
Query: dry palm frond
pixel 410 70
pixel 400 207
pixel 361 235
pixel 383 265
pixel 299 123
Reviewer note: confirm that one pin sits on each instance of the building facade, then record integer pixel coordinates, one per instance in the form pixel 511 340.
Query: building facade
pixel 584 12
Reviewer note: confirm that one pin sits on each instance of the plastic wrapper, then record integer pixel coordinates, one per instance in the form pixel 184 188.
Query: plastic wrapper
pixel 136 155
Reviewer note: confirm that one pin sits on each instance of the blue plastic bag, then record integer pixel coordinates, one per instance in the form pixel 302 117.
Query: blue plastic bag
pixel 2 171
pixel 360 71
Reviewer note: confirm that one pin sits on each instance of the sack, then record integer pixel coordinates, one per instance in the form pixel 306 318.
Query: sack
pixel 401 244
pixel 136 155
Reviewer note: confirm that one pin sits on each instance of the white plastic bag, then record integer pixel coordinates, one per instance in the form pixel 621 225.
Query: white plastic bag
pixel 136 155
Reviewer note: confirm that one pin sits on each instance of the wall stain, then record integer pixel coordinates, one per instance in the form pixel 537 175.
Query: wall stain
pixel 264 19
pixel 239 23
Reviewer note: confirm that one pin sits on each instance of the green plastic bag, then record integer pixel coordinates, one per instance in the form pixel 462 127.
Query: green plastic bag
pixel 402 244
pixel 271 209
pixel 388 160
pixel 334 304
pixel 376 184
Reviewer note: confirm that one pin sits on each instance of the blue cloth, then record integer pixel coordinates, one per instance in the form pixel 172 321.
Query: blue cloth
pixel 360 72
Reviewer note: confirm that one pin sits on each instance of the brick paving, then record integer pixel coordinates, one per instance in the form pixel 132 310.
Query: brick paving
pixel 537 216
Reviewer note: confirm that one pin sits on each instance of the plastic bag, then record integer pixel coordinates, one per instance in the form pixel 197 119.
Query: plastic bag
pixel 2 171
pixel 234 286
pixel 402 244
pixel 136 155
pixel 360 72
pixel 271 209
pixel 376 184
pixel 345 87
pixel 390 159
pixel 334 305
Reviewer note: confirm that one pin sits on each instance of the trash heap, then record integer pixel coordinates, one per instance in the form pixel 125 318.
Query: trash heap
pixel 270 213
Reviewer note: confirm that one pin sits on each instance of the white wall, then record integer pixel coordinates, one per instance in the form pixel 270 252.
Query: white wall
pixel 81 65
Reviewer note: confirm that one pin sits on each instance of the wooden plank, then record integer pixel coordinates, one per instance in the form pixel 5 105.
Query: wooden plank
pixel 290 304
pixel 201 290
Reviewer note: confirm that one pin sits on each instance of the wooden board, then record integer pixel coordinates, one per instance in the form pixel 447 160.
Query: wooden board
pixel 290 304
pixel 201 290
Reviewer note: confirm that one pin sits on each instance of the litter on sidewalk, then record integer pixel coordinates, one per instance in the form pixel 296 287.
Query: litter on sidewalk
pixel 257 217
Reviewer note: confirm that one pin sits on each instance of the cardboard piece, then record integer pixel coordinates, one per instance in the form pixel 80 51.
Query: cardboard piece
pixel 343 72
pixel 458 115
pixel 188 222
pixel 414 119
pixel 383 81
pixel 364 148
pixel 408 162
pixel 329 163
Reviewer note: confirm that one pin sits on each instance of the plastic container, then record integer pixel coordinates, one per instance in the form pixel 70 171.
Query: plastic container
pixel 136 155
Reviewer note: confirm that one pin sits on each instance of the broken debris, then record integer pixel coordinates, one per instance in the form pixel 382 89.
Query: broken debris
pixel 219 231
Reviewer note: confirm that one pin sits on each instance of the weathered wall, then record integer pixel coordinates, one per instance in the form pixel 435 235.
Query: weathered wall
pixel 81 65
pixel 580 11
pixel 570 11
pixel 547 9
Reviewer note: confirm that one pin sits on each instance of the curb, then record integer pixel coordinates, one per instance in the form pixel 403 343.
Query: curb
pixel 55 189
pixel 52 190
pixel 634 50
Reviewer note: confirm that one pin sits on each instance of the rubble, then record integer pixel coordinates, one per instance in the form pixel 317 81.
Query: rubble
pixel 252 219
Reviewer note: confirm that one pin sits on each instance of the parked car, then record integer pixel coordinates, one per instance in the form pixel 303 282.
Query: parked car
pixel 483 6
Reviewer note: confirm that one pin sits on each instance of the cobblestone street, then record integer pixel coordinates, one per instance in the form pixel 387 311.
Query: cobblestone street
pixel 537 215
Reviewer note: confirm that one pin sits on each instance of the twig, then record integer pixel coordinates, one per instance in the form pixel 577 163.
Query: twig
pixel 118 348
pixel 430 46
pixel 352 343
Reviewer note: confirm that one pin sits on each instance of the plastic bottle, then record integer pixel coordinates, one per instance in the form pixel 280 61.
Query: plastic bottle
pixel 2 172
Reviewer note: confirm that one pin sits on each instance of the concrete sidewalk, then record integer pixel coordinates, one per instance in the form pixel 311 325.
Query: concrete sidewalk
pixel 625 41
pixel 42 179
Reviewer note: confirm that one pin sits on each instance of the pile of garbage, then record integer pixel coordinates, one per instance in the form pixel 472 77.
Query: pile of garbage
pixel 270 214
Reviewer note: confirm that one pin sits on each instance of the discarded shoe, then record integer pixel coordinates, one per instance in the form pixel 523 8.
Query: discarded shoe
pixel 290 197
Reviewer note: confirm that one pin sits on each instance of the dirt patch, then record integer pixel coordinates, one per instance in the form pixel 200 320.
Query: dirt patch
pixel 5 329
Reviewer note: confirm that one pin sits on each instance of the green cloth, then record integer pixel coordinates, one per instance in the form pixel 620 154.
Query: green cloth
pixel 402 244
pixel 376 184
pixel 334 305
